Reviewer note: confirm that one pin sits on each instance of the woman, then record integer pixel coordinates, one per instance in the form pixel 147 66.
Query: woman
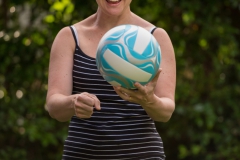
pixel 122 127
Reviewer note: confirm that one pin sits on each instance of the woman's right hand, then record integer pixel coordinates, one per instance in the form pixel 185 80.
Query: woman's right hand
pixel 84 104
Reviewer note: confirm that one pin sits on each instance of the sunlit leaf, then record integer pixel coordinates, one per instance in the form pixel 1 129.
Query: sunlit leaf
pixel 49 18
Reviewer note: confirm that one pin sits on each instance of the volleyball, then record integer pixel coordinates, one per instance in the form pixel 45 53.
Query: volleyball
pixel 127 54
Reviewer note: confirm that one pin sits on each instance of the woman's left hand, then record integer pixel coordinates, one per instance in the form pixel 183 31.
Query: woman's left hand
pixel 143 95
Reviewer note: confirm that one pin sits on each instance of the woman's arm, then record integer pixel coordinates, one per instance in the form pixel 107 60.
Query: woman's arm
pixel 59 98
pixel 61 104
pixel 158 96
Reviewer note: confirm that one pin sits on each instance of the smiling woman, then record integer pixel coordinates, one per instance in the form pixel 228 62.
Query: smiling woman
pixel 108 122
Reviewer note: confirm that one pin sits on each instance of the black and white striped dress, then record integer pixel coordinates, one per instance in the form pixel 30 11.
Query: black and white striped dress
pixel 119 131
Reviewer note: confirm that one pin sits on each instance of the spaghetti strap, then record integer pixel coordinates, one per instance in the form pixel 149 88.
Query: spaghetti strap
pixel 153 29
pixel 75 35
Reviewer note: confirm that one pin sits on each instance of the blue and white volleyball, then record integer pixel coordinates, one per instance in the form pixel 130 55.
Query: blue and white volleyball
pixel 127 54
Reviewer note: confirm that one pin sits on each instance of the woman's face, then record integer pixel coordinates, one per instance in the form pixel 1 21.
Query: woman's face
pixel 114 7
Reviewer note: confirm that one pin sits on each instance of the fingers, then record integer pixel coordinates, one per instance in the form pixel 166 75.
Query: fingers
pixel 96 102
pixel 84 105
pixel 142 93
pixel 151 84
pixel 125 93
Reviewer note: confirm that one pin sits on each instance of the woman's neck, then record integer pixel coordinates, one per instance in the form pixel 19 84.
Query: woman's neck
pixel 107 22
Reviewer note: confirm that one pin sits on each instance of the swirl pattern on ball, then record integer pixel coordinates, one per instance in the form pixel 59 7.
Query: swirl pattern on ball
pixel 127 54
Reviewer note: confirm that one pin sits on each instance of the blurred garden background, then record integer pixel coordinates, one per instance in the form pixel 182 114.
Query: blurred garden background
pixel 206 39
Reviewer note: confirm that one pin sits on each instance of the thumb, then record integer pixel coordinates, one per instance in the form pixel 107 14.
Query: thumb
pixel 96 103
pixel 97 106
pixel 157 75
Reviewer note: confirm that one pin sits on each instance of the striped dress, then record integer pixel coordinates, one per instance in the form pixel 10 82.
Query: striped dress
pixel 119 131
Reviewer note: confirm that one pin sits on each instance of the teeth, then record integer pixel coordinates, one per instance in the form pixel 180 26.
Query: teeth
pixel 113 0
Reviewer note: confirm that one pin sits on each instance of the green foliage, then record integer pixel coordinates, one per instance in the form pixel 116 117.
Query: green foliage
pixel 205 35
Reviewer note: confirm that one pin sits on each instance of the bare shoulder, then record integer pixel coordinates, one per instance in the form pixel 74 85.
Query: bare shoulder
pixel 64 32
pixel 63 45
pixel 164 40
pixel 64 39
pixel 161 35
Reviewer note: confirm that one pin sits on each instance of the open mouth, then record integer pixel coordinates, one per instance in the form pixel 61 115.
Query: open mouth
pixel 113 1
